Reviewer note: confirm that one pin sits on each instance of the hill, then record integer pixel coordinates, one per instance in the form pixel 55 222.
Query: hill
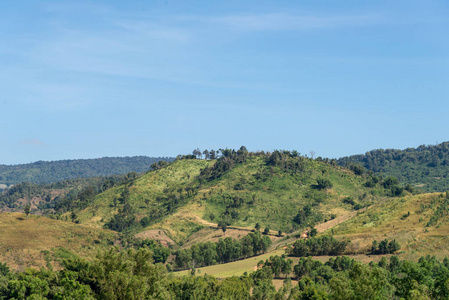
pixel 60 196
pixel 280 191
pixel 54 171
pixel 424 167
pixel 43 242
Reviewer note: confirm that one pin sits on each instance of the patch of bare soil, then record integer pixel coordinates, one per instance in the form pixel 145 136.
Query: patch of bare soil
pixel 332 223
pixel 213 235
pixel 215 226
pixel 156 234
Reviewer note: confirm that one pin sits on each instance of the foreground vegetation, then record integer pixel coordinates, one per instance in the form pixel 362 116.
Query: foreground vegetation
pixel 131 274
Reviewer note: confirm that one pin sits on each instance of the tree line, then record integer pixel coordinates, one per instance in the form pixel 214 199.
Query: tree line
pixel 132 274
pixel 223 251
pixel 54 171
pixel 414 166
pixel 315 246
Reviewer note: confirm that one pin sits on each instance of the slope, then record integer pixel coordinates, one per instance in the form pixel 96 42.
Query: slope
pixel 43 242
pixel 53 171
pixel 151 196
pixel 424 167
pixel 280 191
pixel 419 223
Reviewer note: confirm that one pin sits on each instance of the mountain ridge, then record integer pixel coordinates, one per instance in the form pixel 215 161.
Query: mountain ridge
pixel 54 171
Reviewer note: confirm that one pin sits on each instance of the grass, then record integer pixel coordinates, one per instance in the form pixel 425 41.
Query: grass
pixel 235 268
pixel 273 201
pixel 144 192
pixel 387 221
pixel 249 193
pixel 30 243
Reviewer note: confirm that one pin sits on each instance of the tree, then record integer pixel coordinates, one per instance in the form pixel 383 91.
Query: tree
pixel 266 231
pixel 212 154
pixel 206 154
pixel 27 209
pixel 257 227
pixel 313 232
pixel 197 153
pixel 223 226
pixel 128 274
pixel 312 154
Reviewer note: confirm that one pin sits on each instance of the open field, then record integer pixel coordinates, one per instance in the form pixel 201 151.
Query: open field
pixel 235 268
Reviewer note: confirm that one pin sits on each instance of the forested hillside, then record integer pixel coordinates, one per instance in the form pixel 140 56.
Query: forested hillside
pixel 425 167
pixel 59 196
pixel 48 172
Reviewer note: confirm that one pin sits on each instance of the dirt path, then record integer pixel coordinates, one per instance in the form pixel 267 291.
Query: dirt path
pixel 215 225
pixel 320 227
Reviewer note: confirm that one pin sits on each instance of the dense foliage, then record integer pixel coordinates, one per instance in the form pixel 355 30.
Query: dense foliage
pixel 424 167
pixel 226 161
pixel 54 171
pixel 131 274
pixel 385 247
pixel 223 251
pixel 315 246
pixel 62 196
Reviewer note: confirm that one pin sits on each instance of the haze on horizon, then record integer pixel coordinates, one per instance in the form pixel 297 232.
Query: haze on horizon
pixel 90 79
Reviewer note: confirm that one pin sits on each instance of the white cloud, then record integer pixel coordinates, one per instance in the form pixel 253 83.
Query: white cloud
pixel 283 21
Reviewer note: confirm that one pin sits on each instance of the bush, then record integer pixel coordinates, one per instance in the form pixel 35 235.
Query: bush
pixel 323 183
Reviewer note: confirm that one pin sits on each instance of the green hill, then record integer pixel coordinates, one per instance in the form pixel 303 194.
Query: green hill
pixel 280 191
pixel 54 171
pixel 424 167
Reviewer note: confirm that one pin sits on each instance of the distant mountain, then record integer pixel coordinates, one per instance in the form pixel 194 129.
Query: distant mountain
pixel 425 167
pixel 54 171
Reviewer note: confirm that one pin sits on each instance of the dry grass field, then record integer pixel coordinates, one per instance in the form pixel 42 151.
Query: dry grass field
pixel 41 242
pixel 400 219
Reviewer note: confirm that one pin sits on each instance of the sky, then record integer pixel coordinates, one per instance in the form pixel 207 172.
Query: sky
pixel 88 79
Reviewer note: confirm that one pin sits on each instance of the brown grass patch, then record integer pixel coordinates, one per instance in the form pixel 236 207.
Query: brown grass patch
pixel 22 241
pixel 156 234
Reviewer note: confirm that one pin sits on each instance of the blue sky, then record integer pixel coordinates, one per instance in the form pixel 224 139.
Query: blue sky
pixel 86 79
